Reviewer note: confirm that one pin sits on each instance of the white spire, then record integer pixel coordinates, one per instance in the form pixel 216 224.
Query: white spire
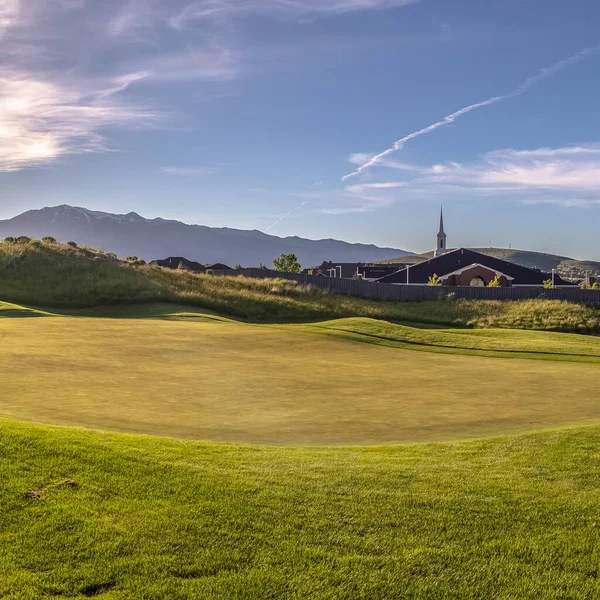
pixel 440 246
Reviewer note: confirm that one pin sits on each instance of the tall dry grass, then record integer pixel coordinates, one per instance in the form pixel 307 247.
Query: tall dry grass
pixel 59 276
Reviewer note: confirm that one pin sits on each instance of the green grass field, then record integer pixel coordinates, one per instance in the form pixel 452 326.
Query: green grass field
pixel 500 518
pixel 193 374
pixel 287 471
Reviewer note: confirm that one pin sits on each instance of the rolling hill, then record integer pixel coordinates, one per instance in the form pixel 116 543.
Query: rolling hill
pixel 133 235
pixel 569 267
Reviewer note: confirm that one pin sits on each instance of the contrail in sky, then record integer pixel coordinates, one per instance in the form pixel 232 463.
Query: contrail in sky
pixel 286 215
pixel 523 88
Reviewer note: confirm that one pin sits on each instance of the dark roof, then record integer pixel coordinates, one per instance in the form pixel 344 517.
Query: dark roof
pixel 378 271
pixel 462 257
pixel 173 262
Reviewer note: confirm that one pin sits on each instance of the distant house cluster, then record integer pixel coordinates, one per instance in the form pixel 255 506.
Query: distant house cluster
pixel 180 262
pixel 364 271
pixel 459 267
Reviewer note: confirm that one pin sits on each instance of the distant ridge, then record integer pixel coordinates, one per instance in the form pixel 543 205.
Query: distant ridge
pixel 526 258
pixel 133 235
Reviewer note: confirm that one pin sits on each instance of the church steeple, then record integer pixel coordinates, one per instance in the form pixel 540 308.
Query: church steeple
pixel 441 236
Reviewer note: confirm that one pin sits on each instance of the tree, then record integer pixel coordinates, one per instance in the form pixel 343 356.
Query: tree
pixel 262 267
pixel 181 266
pixel 596 286
pixel 237 267
pixel 548 284
pixel 49 240
pixel 72 244
pixel 287 263
pixel 435 279
pixel 495 283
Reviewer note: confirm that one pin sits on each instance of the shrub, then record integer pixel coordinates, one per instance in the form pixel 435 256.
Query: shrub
pixel 596 286
pixel 111 255
pixel 287 263
pixel 72 244
pixel 35 242
pixel 495 283
pixel 9 240
pixel 23 239
pixel 548 284
pixel 435 279
pixel 132 258
pixel 49 240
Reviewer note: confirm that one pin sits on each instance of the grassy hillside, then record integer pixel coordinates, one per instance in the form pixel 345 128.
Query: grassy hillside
pixel 569 267
pixel 114 516
pixel 190 374
pixel 54 275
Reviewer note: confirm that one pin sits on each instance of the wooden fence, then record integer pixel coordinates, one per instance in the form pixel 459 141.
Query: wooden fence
pixel 421 293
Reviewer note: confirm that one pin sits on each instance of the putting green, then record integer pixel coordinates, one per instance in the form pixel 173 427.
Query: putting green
pixel 221 380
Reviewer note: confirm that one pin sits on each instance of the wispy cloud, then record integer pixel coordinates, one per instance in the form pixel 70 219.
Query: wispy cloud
pixel 567 176
pixel 212 62
pixel 223 9
pixel 134 17
pixel 572 169
pixel 42 121
pixel 521 89
pixel 191 171
pixel 48 111
pixel 287 214
pixel 9 12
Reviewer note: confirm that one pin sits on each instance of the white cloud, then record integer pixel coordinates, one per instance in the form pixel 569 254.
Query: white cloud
pixel 220 9
pixel 48 111
pixel 567 176
pixel 573 169
pixel 41 121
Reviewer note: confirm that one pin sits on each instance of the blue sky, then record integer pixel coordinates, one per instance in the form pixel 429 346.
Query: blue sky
pixel 236 112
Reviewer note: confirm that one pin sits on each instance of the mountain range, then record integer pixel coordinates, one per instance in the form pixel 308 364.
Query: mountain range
pixel 133 235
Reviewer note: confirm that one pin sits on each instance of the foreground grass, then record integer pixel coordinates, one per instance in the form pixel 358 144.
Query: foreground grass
pixel 197 375
pixel 54 275
pixel 152 518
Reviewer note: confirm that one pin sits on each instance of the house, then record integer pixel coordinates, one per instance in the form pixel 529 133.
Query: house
pixel 176 262
pixel 464 267
pixel 365 271
pixel 218 267
pixel 173 262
